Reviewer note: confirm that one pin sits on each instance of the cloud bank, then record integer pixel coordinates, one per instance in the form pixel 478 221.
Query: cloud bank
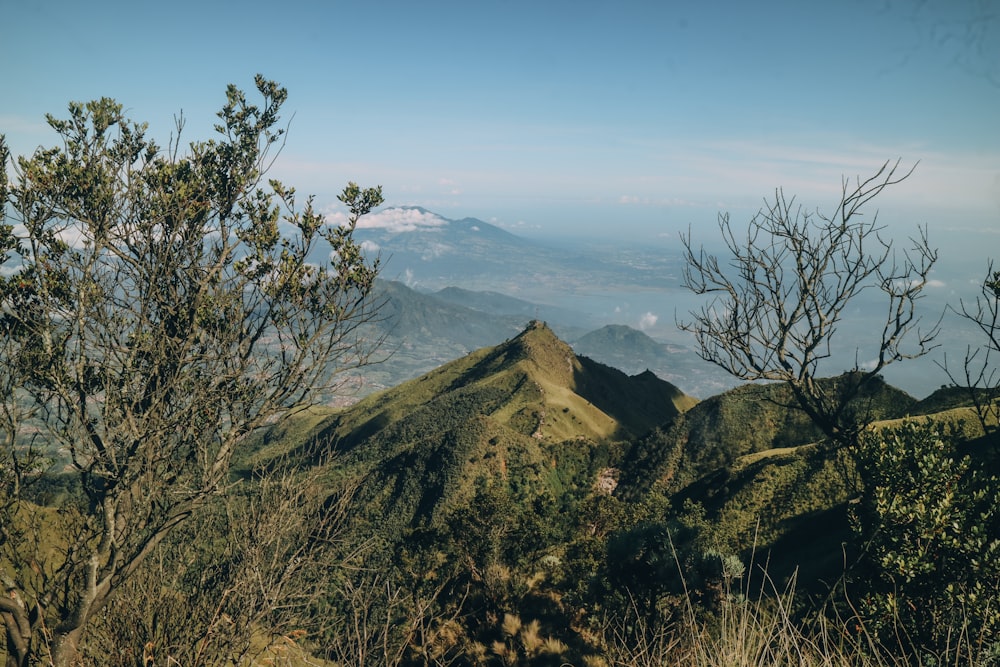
pixel 394 220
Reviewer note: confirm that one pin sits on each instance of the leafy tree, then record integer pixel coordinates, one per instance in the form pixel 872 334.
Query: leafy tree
pixel 780 298
pixel 930 525
pixel 642 561
pixel 160 307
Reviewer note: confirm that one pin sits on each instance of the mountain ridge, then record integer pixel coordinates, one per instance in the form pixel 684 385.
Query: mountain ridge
pixel 423 330
pixel 528 414
pixel 529 462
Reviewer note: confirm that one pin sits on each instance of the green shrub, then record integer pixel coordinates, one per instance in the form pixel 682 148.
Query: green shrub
pixel 929 525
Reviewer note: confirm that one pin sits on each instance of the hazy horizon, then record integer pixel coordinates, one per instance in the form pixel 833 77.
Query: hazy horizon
pixel 556 118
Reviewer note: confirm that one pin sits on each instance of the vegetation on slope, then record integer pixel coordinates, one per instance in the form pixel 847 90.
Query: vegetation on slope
pixel 527 413
pixel 751 418
pixel 486 531
pixel 466 482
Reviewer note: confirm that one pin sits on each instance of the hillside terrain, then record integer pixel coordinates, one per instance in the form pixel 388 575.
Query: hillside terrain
pixel 527 462
pixel 527 414
pixel 523 494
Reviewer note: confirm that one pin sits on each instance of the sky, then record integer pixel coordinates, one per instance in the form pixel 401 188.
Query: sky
pixel 620 119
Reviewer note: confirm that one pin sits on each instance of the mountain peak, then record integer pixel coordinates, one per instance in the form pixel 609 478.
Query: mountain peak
pixel 539 346
pixel 607 402
pixel 533 384
pixel 537 337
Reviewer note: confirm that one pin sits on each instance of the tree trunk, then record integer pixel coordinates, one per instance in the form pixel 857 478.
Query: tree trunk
pixel 17 646
pixel 66 647
pixel 18 629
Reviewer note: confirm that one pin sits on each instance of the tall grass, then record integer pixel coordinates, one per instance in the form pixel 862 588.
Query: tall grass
pixel 754 625
pixel 762 633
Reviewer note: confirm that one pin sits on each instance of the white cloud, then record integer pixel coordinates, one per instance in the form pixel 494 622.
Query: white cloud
pixel 868 365
pixel 435 250
pixel 395 220
pixel 901 285
pixel 647 321
pixel 370 247
pixel 73 235
pixel 515 226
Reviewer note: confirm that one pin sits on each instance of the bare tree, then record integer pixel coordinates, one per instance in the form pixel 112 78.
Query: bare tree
pixel 163 306
pixel 384 622
pixel 781 296
pixel 979 371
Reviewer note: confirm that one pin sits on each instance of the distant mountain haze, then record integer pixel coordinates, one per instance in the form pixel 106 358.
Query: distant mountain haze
pixel 578 287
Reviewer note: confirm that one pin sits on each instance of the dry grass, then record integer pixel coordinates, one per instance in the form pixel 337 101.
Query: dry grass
pixel 761 631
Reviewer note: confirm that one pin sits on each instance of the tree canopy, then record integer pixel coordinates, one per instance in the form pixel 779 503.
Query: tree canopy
pixel 159 304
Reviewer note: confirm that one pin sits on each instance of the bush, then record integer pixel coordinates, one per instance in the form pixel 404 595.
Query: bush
pixel 929 525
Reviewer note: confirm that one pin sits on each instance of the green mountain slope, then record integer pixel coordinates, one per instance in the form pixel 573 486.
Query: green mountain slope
pixel 524 477
pixel 748 419
pixel 527 414
pixel 745 468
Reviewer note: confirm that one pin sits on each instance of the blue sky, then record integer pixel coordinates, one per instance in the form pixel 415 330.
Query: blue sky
pixel 552 118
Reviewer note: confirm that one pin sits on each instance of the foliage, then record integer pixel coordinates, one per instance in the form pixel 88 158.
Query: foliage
pixel 930 527
pixel 662 569
pixel 160 307
pixel 790 281
pixel 523 644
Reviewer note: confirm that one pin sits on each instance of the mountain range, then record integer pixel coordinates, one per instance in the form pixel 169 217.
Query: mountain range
pixel 430 252
pixel 580 286
pixel 524 453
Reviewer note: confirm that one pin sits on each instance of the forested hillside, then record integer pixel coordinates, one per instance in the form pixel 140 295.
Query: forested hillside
pixel 518 500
